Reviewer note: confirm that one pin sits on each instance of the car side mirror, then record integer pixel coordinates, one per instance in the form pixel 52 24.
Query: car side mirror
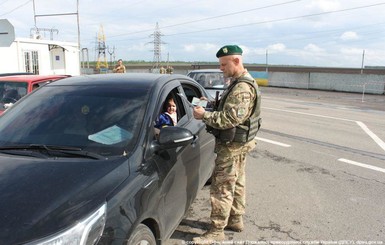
pixel 172 137
pixel 169 138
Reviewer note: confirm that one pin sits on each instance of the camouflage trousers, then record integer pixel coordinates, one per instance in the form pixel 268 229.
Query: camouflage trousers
pixel 227 192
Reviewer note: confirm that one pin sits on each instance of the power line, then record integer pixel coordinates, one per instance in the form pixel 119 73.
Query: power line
pixel 22 5
pixel 278 20
pixel 234 13
pixel 214 17
pixel 4 2
pixel 320 34
pixel 248 24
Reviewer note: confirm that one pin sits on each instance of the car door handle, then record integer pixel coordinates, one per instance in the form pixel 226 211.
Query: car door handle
pixel 195 140
pixel 150 181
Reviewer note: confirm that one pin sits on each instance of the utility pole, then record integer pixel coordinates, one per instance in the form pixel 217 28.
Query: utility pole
pixel 112 54
pixel 61 14
pixel 85 53
pixel 267 69
pixel 362 63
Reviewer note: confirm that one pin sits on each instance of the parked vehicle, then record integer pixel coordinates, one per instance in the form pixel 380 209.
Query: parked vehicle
pixel 81 161
pixel 211 79
pixel 14 86
pixel 214 81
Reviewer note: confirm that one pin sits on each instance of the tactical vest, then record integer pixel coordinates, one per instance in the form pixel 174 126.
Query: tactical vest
pixel 246 131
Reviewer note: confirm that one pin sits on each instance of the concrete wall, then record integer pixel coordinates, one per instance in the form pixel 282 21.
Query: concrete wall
pixel 358 83
pixel 289 79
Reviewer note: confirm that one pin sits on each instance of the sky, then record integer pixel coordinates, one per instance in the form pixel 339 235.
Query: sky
pixel 324 33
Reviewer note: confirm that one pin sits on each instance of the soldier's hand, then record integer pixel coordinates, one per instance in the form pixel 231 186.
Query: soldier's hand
pixel 198 112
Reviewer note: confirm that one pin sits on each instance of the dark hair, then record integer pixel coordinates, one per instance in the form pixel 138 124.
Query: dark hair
pixel 165 104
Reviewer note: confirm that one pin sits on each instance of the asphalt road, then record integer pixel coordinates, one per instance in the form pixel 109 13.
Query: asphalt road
pixel 317 175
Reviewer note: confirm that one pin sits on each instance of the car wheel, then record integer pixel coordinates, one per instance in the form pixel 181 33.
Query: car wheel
pixel 142 235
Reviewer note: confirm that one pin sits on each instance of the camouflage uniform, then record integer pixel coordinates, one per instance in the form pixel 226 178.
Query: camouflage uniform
pixel 227 191
pixel 119 68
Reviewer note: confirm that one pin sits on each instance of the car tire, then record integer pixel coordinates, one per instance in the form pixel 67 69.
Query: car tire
pixel 142 235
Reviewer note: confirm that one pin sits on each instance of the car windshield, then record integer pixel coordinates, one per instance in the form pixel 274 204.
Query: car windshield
pixel 209 80
pixel 10 92
pixel 100 119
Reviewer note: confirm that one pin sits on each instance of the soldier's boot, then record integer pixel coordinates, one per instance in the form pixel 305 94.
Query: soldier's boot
pixel 235 223
pixel 210 237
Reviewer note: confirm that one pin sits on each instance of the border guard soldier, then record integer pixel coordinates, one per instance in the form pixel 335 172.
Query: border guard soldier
pixel 235 123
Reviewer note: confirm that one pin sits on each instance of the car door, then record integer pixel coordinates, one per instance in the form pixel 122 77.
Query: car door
pixel 205 141
pixel 178 168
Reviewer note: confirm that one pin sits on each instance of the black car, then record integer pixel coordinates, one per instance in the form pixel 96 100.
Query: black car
pixel 81 162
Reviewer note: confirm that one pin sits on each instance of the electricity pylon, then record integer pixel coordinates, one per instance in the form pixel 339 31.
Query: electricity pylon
pixel 157 46
pixel 101 49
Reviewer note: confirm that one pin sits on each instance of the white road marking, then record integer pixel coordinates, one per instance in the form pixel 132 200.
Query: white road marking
pixel 361 124
pixel 310 114
pixel 372 135
pixel 362 165
pixel 272 142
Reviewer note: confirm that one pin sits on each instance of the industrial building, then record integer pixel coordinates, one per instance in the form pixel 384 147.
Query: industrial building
pixel 43 57
pixel 36 55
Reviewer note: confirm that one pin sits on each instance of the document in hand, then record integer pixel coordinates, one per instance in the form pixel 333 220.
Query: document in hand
pixel 195 102
pixel 198 102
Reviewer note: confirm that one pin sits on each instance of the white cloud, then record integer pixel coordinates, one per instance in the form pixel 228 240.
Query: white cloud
pixel 189 48
pixel 313 48
pixel 199 47
pixel 349 35
pixel 351 51
pixel 292 32
pixel 278 47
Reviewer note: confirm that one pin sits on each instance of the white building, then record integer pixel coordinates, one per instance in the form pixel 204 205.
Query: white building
pixel 43 57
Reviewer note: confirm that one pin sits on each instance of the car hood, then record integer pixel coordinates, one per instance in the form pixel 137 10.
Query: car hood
pixel 39 196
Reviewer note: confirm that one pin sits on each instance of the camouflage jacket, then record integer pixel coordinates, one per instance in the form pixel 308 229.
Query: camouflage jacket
pixel 119 69
pixel 237 108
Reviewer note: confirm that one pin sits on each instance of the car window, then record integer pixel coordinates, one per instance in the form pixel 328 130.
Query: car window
pixel 191 92
pixel 39 84
pixel 105 121
pixel 163 119
pixel 209 79
pixel 181 112
pixel 10 92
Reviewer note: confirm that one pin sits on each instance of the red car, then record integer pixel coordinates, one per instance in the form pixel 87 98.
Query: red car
pixel 13 87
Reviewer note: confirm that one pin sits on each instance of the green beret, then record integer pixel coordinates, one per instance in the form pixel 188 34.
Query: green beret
pixel 229 50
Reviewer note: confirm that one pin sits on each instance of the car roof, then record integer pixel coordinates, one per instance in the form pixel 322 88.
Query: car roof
pixel 138 80
pixel 31 78
pixel 205 71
